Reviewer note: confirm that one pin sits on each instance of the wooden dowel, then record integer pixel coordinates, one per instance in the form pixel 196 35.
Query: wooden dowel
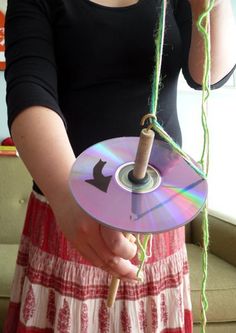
pixel 139 172
pixel 113 288
pixel 143 153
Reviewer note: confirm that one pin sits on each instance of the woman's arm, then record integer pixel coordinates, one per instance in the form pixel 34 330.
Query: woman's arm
pixel 38 130
pixel 223 45
pixel 42 142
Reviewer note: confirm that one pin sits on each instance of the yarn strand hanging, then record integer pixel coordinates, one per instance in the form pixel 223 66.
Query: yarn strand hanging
pixel 203 25
pixel 159 43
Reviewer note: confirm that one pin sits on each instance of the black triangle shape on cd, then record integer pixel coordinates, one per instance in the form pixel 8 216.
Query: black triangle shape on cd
pixel 100 181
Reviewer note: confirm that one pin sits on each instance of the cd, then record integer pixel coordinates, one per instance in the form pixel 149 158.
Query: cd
pixel 172 196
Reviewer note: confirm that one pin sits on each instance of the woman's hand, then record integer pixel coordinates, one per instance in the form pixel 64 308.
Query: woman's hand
pixel 102 246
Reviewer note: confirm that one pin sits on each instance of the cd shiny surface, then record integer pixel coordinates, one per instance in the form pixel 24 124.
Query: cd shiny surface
pixel 177 196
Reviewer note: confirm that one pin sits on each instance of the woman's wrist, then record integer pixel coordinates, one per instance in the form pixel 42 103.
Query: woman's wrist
pixel 222 27
pixel 199 6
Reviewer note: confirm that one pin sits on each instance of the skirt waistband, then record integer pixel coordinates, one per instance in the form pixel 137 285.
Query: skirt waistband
pixel 40 197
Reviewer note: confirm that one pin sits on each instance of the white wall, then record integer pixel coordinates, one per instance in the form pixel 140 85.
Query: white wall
pixel 3 110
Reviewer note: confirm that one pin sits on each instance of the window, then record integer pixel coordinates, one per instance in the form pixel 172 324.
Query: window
pixel 222 128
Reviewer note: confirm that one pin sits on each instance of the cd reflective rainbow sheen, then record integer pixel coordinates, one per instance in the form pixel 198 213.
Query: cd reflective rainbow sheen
pixel 179 197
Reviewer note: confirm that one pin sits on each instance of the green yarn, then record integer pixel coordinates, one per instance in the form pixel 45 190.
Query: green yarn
pixel 204 301
pixel 159 42
pixel 203 27
pixel 142 254
pixel 160 130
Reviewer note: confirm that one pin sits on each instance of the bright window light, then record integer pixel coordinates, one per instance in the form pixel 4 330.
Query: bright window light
pixel 222 127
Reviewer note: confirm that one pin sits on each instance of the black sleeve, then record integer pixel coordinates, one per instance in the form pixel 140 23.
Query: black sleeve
pixel 31 73
pixel 184 20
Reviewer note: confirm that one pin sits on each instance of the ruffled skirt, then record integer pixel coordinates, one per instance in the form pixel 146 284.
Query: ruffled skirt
pixel 56 290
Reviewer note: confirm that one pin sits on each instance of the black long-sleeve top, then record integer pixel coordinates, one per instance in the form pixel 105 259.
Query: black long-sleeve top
pixel 93 64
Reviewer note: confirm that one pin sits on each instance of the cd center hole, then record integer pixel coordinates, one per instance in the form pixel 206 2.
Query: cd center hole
pixel 137 181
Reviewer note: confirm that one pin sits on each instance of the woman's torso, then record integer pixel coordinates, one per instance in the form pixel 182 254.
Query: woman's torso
pixel 105 60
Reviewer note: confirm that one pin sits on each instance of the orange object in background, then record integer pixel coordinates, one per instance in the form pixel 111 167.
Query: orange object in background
pixel 7 148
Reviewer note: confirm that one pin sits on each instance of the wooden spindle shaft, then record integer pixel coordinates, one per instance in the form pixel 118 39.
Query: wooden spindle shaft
pixel 139 172
pixel 143 153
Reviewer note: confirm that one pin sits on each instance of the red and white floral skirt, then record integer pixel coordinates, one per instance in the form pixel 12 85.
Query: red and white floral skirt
pixel 56 290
